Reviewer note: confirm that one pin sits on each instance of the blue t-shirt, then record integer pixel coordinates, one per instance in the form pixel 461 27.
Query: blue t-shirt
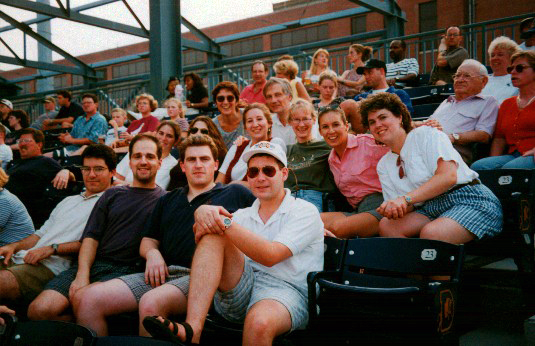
pixel 15 222
pixel 404 97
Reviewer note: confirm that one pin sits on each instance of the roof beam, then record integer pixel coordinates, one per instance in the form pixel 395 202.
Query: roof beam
pixel 42 65
pixel 51 11
pixel 382 8
pixel 210 45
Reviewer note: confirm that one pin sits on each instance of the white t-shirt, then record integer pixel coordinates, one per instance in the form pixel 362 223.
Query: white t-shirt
pixel 420 153
pixel 297 225
pixel 286 133
pixel 6 155
pixel 240 168
pixel 65 224
pixel 162 177
pixel 110 135
pixel 500 87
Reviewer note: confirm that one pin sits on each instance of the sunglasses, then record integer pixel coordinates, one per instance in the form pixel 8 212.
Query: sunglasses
pixel 330 107
pixel 401 170
pixel 194 130
pixel 230 98
pixel 268 171
pixel 518 68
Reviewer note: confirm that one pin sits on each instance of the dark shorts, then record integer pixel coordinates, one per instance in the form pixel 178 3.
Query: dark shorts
pixel 369 204
pixel 100 271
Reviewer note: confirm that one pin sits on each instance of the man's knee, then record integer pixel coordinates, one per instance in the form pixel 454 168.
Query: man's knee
pixel 9 287
pixel 162 300
pixel 260 325
pixel 48 306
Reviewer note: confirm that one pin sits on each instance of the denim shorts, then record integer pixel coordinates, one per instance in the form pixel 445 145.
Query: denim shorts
pixel 369 204
pixel 314 197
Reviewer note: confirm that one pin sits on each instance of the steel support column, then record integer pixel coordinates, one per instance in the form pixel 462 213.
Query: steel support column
pixel 44 54
pixel 394 17
pixel 165 52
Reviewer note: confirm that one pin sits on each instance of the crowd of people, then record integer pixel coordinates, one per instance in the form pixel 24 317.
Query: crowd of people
pixel 232 210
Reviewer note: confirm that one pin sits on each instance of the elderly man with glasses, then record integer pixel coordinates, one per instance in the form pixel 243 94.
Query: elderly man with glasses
pixel 467 117
pixel 450 56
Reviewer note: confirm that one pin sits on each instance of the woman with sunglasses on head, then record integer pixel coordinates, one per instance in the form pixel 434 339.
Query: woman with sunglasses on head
pixel 328 86
pixel 429 190
pixel 308 159
pixel 201 125
pixel 352 161
pixel 257 122
pixel 513 145
pixel 230 122
pixel 168 134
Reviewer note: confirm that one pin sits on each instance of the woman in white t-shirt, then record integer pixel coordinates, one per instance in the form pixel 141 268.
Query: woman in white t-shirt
pixel 428 189
pixel 168 133
pixel 257 122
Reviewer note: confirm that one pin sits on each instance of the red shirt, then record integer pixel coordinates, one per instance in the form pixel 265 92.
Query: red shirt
pixel 149 124
pixel 250 96
pixel 516 125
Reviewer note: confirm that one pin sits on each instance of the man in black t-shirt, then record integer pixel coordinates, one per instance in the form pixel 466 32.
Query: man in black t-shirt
pixel 67 114
pixel 110 241
pixel 168 244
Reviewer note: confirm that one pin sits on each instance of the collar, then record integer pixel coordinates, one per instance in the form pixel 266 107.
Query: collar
pixel 92 196
pixel 452 98
pixel 185 189
pixel 284 208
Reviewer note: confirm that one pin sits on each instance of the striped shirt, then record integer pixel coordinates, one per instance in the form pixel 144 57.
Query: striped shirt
pixel 402 68
pixel 15 222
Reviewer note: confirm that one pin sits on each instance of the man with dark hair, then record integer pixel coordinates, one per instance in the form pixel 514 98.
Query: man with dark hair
pixel 167 245
pixel 527 33
pixel 110 241
pixel 85 129
pixel 67 114
pixel 401 72
pixel 450 56
pixel 254 92
pixel 30 263
pixel 5 107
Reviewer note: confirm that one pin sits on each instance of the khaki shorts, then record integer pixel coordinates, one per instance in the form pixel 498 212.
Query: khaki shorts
pixel 31 278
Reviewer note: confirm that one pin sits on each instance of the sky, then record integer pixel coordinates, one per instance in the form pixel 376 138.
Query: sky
pixel 78 39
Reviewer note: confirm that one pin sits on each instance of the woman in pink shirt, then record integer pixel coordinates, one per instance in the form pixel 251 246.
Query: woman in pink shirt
pixel 353 161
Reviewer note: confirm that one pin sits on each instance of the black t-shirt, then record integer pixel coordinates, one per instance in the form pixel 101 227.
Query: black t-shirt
pixel 117 222
pixel 74 110
pixel 171 222
pixel 197 93
pixel 28 180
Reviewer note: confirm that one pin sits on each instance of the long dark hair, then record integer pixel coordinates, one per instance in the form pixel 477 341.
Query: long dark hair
pixel 213 132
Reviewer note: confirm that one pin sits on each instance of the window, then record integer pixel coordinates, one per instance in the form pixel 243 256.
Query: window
pixel 245 47
pixel 26 87
pixel 131 69
pixel 358 25
pixel 60 82
pixel 299 36
pixel 192 57
pixel 77 80
pixel 428 16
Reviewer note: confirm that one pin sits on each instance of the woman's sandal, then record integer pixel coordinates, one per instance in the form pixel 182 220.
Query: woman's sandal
pixel 160 330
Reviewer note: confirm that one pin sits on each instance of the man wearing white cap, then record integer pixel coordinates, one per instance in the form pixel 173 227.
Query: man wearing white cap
pixel 252 264
pixel 5 107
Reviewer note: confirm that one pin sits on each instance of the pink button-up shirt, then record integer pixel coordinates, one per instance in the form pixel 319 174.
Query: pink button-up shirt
pixel 250 96
pixel 355 173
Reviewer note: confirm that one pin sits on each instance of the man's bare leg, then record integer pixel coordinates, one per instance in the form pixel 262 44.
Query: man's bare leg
pixel 264 321
pixel 9 287
pixel 165 300
pixel 50 305
pixel 100 300
pixel 361 225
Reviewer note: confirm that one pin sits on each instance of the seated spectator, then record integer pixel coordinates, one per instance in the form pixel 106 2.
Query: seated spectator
pixel 328 85
pixel 68 112
pixel 145 104
pixel 18 121
pixel 513 145
pixel 527 33
pixel 30 263
pixel 197 94
pixel 172 85
pixel 288 69
pixel 167 246
pixel 450 56
pixel 499 85
pixel 429 191
pixel 168 134
pixel 117 123
pixel 308 159
pixel 320 63
pixel 350 83
pixel 29 176
pixel 352 161
pixel 111 237
pixel 402 71
pixel 257 122
pixel 5 107
pixel 49 104
pixel 205 126
pixel 255 92
pixel 15 222
pixel 467 117
pixel 230 121
pixel 175 113
pixel 6 155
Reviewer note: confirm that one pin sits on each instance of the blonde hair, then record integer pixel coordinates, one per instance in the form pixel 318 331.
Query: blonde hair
pixel 313 67
pixel 177 102
pixel 3 178
pixel 305 105
pixel 505 43
pixel 119 110
pixel 330 75
pixel 152 102
pixel 286 67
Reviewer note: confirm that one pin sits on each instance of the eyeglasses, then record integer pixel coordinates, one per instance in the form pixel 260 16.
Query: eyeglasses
pixel 304 121
pixel 452 35
pixel 268 171
pixel 230 98
pixel 399 163
pixel 24 140
pixel 194 130
pixel 518 68
pixel 98 170
pixel 464 76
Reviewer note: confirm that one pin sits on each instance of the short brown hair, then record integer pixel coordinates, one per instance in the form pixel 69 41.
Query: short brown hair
pixel 145 136
pixel 198 141
pixel 152 102
pixel 22 116
pixel 37 135
pixel 65 94
pixel 529 55
pixel 324 110
pixel 91 96
pixel 256 62
pixel 285 85
pixel 230 86
pixel 390 102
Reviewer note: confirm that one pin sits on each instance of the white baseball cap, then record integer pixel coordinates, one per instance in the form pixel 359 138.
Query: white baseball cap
pixel 7 103
pixel 268 148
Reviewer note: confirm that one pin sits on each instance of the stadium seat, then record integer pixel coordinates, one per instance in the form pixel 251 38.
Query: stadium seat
pixel 388 292
pixel 422 112
pixel 6 331
pixel 50 333
pixel 53 196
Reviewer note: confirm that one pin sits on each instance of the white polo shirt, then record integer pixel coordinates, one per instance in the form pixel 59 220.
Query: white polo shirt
pixel 297 225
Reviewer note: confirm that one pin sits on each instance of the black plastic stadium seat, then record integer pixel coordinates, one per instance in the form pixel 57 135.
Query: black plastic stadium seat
pixel 51 333
pixel 422 112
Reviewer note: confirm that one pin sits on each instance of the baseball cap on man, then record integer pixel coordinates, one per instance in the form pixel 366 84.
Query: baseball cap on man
pixel 372 63
pixel 7 103
pixel 268 148
pixel 49 99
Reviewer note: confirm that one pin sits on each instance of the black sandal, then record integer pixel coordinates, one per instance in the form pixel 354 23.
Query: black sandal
pixel 160 330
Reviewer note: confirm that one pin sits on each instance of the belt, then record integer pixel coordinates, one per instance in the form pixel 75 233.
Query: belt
pixel 460 186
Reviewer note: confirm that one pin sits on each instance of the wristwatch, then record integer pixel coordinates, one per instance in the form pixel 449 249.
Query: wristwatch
pixel 227 221
pixel 455 137
pixel 408 199
pixel 55 248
